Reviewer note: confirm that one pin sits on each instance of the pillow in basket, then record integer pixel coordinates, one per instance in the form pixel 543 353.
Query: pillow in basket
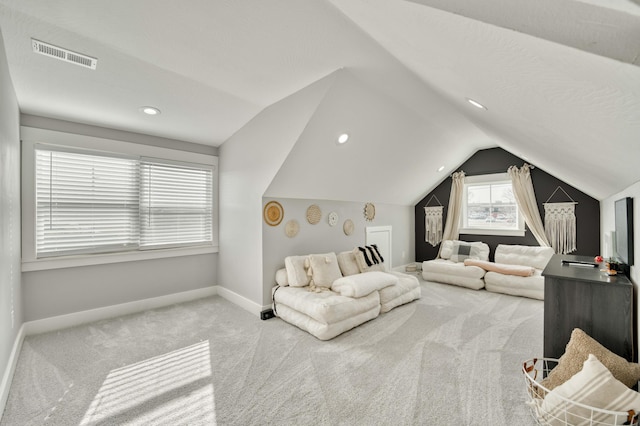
pixel 576 353
pixel 593 386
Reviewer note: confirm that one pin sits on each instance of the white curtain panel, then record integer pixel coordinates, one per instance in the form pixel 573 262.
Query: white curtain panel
pixel 433 224
pixel 452 226
pixel 526 199
pixel 560 226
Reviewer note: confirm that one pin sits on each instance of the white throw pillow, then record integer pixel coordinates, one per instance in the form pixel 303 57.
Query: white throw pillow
pixel 281 277
pixel 296 271
pixel 347 263
pixel 593 386
pixel 445 249
pixel 363 284
pixel 323 269
pixel 369 258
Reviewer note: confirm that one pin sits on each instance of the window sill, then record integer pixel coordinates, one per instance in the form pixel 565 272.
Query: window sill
pixel 102 259
pixel 497 232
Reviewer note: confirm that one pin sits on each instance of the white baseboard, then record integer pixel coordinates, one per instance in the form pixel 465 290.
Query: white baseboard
pixel 10 368
pixel 77 318
pixel 243 302
pixel 402 268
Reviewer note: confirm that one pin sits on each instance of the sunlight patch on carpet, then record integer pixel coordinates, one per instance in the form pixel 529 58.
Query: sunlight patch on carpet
pixel 163 389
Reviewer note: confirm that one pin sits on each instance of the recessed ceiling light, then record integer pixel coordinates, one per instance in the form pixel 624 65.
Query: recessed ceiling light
pixel 343 138
pixel 441 168
pixel 149 110
pixel 476 104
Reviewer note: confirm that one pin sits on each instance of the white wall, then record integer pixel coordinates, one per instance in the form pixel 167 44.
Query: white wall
pixel 392 150
pixel 323 238
pixel 248 162
pixel 56 292
pixel 607 226
pixel 11 316
pixel 121 135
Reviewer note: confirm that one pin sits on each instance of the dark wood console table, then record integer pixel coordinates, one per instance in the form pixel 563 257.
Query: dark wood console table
pixel 586 298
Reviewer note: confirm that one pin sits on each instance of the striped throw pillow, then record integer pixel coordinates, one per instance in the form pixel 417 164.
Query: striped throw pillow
pixel 594 386
pixel 369 258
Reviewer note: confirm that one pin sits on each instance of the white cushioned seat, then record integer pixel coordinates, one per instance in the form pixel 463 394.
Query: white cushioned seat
pixel 321 330
pixel 510 254
pixel 339 296
pixel 406 290
pixel 532 286
pixel 324 314
pixel 456 273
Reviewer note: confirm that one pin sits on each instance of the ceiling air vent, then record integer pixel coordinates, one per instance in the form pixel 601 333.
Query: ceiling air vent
pixel 63 54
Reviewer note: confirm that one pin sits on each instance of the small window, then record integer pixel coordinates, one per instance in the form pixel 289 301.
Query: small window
pixel 489 207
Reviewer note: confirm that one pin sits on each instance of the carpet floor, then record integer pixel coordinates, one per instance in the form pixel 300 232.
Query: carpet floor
pixel 451 358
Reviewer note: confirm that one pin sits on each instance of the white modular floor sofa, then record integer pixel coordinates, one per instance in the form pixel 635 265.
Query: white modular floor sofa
pixel 525 264
pixel 328 294
pixel 517 269
pixel 450 267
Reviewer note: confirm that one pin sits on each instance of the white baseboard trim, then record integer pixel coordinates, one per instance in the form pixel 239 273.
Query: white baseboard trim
pixel 10 368
pixel 77 318
pixel 243 302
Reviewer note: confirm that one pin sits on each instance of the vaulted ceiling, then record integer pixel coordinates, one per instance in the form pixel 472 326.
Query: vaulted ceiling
pixel 560 79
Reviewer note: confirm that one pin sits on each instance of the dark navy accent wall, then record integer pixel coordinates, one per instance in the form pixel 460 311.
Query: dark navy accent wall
pixel 497 160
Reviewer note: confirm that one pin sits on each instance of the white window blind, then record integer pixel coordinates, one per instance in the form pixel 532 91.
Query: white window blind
pixel 89 203
pixel 85 203
pixel 175 204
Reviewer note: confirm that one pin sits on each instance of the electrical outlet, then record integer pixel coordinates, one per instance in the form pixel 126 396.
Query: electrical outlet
pixel 266 314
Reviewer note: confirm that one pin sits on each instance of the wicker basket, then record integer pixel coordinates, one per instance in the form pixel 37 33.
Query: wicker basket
pixel 573 413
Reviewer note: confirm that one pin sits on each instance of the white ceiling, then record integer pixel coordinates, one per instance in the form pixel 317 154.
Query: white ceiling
pixel 560 78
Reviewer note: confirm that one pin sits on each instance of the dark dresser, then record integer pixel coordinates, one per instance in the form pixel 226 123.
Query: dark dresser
pixel 586 298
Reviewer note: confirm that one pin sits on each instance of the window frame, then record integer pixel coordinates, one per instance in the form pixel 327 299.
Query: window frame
pixel 90 144
pixel 488 179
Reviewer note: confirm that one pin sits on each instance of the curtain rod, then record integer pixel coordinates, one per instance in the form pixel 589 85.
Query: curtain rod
pixel 491 172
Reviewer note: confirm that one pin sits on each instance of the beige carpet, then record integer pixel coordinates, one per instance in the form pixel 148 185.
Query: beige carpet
pixel 451 358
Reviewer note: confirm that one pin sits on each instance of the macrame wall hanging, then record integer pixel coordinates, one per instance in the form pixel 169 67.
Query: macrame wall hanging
pixel 560 223
pixel 433 222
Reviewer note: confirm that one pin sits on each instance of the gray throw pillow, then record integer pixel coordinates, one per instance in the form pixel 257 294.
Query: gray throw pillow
pixel 462 251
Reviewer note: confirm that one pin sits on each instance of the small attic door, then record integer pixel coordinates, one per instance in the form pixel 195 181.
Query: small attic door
pixel 380 236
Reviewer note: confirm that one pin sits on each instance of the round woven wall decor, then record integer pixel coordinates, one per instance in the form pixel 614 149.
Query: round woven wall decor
pixel 313 214
pixel 369 211
pixel 347 227
pixel 291 228
pixel 273 213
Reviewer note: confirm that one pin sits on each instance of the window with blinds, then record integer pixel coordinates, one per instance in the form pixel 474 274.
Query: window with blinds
pixel 88 203
pixel 175 204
